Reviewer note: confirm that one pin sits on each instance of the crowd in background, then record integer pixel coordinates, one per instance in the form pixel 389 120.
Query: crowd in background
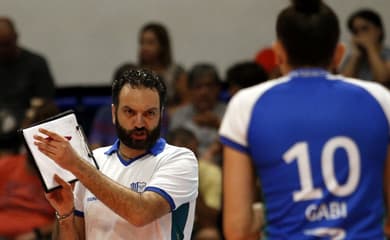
pixel 197 99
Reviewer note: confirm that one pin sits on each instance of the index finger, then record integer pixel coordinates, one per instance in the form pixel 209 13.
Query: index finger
pixel 50 134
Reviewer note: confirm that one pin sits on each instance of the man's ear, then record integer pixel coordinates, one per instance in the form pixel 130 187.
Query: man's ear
pixel 338 56
pixel 281 56
pixel 113 109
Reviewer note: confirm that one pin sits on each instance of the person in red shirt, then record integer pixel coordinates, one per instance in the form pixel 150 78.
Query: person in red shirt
pixel 24 211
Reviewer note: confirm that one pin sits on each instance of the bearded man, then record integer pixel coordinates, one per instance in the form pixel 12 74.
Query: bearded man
pixel 144 188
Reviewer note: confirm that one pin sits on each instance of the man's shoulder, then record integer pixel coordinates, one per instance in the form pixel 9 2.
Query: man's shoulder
pixel 176 153
pixel 101 152
pixel 172 149
pixel 32 56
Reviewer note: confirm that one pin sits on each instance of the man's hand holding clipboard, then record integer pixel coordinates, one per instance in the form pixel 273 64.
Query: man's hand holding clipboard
pixel 57 147
pixel 55 144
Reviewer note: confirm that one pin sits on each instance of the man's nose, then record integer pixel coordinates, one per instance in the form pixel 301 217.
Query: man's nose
pixel 139 120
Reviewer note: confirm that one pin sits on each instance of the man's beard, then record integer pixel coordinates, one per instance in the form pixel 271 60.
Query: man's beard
pixel 125 136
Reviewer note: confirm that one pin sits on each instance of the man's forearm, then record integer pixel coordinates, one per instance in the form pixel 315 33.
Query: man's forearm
pixel 65 230
pixel 137 208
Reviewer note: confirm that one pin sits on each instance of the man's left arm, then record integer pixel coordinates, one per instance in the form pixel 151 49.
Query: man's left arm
pixel 137 208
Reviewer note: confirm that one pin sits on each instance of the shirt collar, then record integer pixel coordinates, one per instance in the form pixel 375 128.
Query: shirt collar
pixel 157 148
pixel 308 72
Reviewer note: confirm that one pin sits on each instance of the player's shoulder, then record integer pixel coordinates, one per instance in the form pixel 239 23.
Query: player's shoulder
pixel 375 89
pixel 248 96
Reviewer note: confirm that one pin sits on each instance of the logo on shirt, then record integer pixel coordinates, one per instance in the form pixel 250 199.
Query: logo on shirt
pixel 91 199
pixel 138 186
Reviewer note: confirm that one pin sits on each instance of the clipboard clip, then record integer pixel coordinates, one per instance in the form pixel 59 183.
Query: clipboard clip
pixel 80 130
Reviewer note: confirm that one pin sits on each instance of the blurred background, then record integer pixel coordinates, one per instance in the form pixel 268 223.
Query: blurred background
pixel 85 40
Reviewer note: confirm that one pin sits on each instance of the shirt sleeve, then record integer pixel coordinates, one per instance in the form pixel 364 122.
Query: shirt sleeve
pixel 233 129
pixel 79 195
pixel 176 178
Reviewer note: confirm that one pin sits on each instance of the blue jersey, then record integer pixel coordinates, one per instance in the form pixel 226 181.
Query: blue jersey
pixel 318 143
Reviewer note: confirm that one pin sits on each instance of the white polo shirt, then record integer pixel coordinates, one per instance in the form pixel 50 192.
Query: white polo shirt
pixel 167 170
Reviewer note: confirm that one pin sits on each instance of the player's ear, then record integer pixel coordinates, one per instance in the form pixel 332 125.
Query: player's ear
pixel 113 110
pixel 280 52
pixel 281 56
pixel 338 55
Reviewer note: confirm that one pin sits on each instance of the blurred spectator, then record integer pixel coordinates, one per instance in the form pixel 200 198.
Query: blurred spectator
pixel 103 132
pixel 25 78
pixel 181 92
pixel 155 53
pixel 25 213
pixel 208 206
pixel 368 59
pixel 203 115
pixel 266 58
pixel 243 75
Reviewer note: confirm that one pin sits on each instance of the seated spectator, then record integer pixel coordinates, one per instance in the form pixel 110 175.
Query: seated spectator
pixel 24 211
pixel 25 75
pixel 243 75
pixel 181 94
pixel 368 59
pixel 103 132
pixel 208 206
pixel 204 114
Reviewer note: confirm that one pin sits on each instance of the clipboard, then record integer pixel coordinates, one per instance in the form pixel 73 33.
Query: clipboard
pixel 65 124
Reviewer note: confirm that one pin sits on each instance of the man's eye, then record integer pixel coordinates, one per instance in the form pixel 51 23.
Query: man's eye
pixel 151 113
pixel 129 112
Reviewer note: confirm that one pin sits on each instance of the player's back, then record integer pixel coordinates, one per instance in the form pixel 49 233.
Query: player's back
pixel 319 144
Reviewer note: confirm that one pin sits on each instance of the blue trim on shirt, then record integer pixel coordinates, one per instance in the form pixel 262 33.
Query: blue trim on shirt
pixel 126 162
pixel 78 213
pixel 163 194
pixel 157 148
pixel 113 148
pixel 232 144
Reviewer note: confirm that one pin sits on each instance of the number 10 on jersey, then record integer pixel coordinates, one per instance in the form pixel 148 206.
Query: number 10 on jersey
pixel 300 153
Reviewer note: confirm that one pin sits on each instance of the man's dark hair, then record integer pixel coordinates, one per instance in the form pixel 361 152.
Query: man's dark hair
pixel 370 16
pixel 309 31
pixel 162 35
pixel 200 70
pixel 139 78
pixel 122 68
